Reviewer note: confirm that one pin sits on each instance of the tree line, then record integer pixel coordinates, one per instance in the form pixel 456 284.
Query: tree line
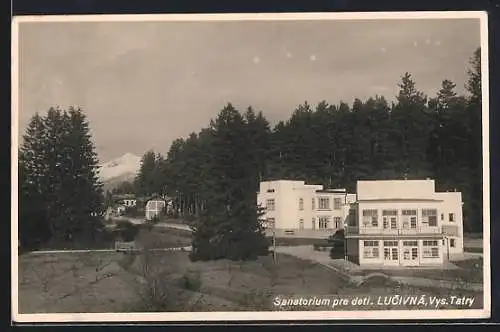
pixel 414 137
pixel 214 174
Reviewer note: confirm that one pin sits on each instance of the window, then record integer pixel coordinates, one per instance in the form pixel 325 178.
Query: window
pixel 391 254
pixel 409 218
pixel 301 204
pixel 410 243
pixel 431 249
pixel 371 249
pixel 389 212
pixel 337 202
pixel 451 217
pixel 389 216
pixel 370 217
pixel 313 203
pixel 323 222
pixel 394 223
pixel 391 250
pixel 337 221
pixel 313 222
pixel 324 203
pixel 270 190
pixel 452 243
pixel 301 224
pixel 429 217
pixel 387 253
pixel 442 216
pixel 409 212
pixel 414 253
pixel 270 204
pixel 394 254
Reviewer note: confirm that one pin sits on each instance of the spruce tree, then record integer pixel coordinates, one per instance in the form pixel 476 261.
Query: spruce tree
pixel 474 212
pixel 230 225
pixel 34 227
pixel 144 181
pixel 82 178
pixel 410 130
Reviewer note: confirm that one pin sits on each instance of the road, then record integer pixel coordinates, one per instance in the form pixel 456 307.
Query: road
pixel 137 221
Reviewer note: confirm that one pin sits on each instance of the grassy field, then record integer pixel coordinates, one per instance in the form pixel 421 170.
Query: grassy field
pixel 101 282
pixel 470 270
pixel 164 238
pixel 169 281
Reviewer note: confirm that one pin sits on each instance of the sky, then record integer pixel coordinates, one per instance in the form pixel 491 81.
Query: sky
pixel 144 84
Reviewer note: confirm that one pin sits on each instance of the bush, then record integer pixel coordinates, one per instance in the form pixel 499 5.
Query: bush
pixel 337 253
pixel 191 281
pixel 336 238
pixel 126 230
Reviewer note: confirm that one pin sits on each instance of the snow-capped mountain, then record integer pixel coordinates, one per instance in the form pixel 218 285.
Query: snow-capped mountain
pixel 120 169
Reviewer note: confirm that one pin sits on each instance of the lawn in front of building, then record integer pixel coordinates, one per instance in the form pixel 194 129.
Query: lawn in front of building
pixel 466 271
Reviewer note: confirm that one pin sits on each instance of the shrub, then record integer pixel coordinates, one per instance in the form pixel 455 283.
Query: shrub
pixel 191 281
pixel 126 230
pixel 337 253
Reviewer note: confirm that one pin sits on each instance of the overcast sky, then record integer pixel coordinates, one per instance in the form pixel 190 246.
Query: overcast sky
pixel 143 84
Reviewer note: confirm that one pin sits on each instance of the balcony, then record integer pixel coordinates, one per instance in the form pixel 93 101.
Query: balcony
pixel 355 231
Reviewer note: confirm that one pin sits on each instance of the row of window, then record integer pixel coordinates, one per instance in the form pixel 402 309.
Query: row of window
pixel 323 204
pixel 323 223
pixel 426 213
pixel 410 250
pixel 408 218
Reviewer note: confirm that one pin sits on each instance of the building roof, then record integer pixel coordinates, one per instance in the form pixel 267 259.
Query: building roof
pixel 124 196
pixel 399 200
pixel 332 191
pixel 156 198
pixel 394 189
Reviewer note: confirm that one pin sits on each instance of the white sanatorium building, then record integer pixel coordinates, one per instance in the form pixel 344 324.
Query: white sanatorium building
pixel 389 222
pixel 295 208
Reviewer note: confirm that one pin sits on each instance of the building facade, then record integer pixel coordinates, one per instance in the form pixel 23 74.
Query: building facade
pixel 155 208
pixel 300 209
pixel 130 202
pixel 404 223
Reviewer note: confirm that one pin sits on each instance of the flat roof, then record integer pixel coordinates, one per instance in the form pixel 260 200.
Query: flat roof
pixel 333 191
pixel 400 200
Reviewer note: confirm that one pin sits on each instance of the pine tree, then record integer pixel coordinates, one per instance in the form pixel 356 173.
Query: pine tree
pixel 144 181
pixel 410 130
pixel 229 227
pixel 473 211
pixel 87 201
pixel 34 227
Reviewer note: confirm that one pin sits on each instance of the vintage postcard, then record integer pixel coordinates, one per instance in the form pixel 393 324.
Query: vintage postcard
pixel 239 167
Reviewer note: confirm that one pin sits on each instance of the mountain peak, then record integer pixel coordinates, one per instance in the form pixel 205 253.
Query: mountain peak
pixel 126 165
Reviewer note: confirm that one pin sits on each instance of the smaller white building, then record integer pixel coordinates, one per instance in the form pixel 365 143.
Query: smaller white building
pixel 130 202
pixel 155 207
